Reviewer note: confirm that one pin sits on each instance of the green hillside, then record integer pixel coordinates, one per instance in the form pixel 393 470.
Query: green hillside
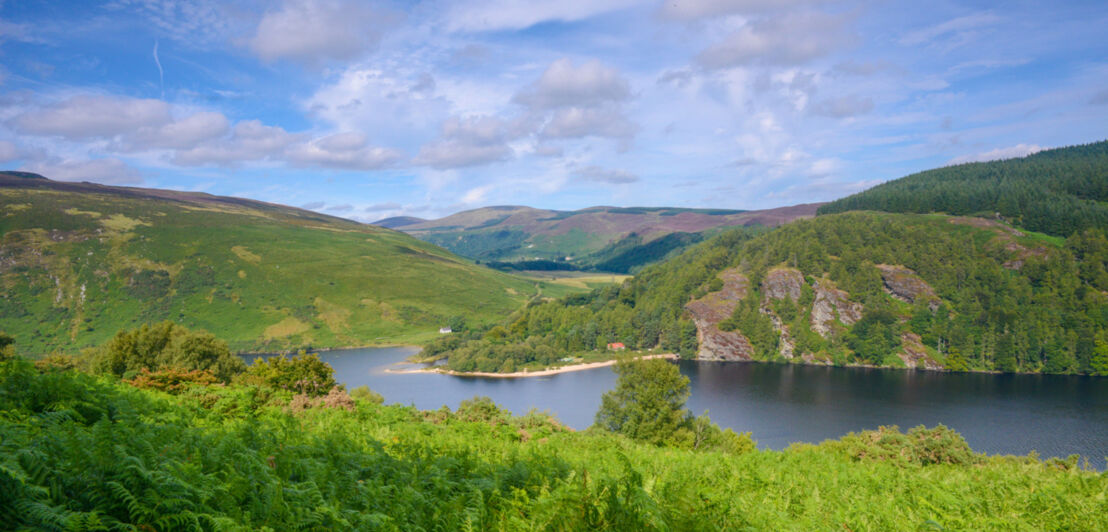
pixel 85 453
pixel 611 239
pixel 857 288
pixel 79 262
pixel 1058 192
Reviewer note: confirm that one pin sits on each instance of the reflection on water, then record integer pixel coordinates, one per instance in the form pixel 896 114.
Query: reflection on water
pixel 781 404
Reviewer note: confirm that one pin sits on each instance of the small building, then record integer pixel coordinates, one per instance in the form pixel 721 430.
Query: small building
pixel 445 330
pixel 616 346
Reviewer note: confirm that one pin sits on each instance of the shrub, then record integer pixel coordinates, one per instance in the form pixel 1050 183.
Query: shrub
pixel 162 346
pixel 172 380
pixel 304 374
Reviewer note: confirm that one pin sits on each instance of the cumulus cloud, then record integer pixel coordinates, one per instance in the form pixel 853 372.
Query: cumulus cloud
pixel 250 140
pixel 576 122
pixel 843 107
pixel 313 31
pixel 789 39
pixel 491 15
pixel 180 134
pixel 469 141
pixel 1011 152
pixel 107 171
pixel 90 116
pixel 564 85
pixel 349 150
pixel 604 175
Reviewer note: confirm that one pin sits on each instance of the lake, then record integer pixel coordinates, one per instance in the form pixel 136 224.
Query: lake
pixel 780 404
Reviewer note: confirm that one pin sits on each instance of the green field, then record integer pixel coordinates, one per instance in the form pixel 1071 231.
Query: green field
pixel 80 262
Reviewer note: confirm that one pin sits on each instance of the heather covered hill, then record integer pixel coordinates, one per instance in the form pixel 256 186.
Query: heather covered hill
pixel 1058 192
pixel 606 238
pixel 80 261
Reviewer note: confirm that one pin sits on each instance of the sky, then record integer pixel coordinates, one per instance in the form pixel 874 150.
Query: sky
pixel 367 110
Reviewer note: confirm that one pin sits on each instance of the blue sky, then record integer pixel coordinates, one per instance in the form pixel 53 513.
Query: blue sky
pixel 372 109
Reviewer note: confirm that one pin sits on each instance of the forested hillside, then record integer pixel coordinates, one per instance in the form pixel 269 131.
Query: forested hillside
pixel 79 262
pixel 858 288
pixel 172 451
pixel 1058 192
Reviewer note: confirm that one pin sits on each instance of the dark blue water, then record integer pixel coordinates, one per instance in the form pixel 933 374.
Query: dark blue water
pixel 780 404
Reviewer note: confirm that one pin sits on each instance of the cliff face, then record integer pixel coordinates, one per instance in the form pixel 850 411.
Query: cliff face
pixel 903 284
pixel 715 307
pixel 829 312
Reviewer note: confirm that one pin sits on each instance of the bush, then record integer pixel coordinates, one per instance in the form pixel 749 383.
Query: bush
pixel 920 446
pixel 363 393
pixel 172 380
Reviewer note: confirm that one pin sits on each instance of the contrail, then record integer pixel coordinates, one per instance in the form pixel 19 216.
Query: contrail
pixel 161 73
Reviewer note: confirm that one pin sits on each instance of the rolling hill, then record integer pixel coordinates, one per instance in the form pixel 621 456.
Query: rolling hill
pixel 606 238
pixel 80 261
pixel 1057 191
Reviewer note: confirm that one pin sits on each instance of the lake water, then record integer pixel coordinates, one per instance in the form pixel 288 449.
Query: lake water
pixel 780 404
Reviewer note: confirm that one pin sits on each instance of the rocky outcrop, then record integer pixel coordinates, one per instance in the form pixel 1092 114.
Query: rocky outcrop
pixel 830 304
pixel 715 307
pixel 914 355
pixel 782 282
pixel 903 284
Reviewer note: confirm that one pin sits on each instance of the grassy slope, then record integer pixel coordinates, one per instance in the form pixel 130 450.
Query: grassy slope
pixel 80 262
pixel 76 451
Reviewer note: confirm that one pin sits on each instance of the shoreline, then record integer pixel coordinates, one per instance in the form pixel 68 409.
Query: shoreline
pixel 523 374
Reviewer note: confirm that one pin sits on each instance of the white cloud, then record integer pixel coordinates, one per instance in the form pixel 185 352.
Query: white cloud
pixel 695 9
pixel 313 31
pixel 313 205
pixel 789 39
pixel 563 85
pixel 250 140
pixel 180 134
pixel 349 150
pixel 576 122
pixel 604 175
pixel 108 171
pixel 387 206
pixel 956 27
pixel 469 142
pixel 90 116
pixel 11 31
pixel 8 151
pixel 842 107
pixel 1011 152
pixel 492 15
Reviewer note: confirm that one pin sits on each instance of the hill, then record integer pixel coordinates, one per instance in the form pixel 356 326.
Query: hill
pixel 398 221
pixel 924 291
pixel 1058 192
pixel 79 262
pixel 606 238
pixel 81 453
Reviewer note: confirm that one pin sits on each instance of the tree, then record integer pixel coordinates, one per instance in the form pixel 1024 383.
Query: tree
pixel 163 346
pixel 7 346
pixel 304 373
pixel 648 402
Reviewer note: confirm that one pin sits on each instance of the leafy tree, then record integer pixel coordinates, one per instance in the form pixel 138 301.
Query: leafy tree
pixel 162 346
pixel 648 402
pixel 1100 355
pixel 304 373
pixel 7 346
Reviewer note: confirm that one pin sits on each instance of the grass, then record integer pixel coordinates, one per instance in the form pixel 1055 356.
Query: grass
pixel 75 267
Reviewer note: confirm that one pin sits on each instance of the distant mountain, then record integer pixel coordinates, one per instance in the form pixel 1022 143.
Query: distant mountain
pixel 1057 191
pixel 398 221
pixel 80 261
pixel 610 238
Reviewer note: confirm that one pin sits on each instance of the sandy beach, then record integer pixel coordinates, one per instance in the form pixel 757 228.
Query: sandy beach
pixel 521 374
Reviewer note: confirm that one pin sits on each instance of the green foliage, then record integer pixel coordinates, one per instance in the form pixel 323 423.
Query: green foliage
pixel 162 346
pixel 172 380
pixel 363 393
pixel 1058 192
pixel 7 346
pixel 304 373
pixel 85 453
pixel 648 402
